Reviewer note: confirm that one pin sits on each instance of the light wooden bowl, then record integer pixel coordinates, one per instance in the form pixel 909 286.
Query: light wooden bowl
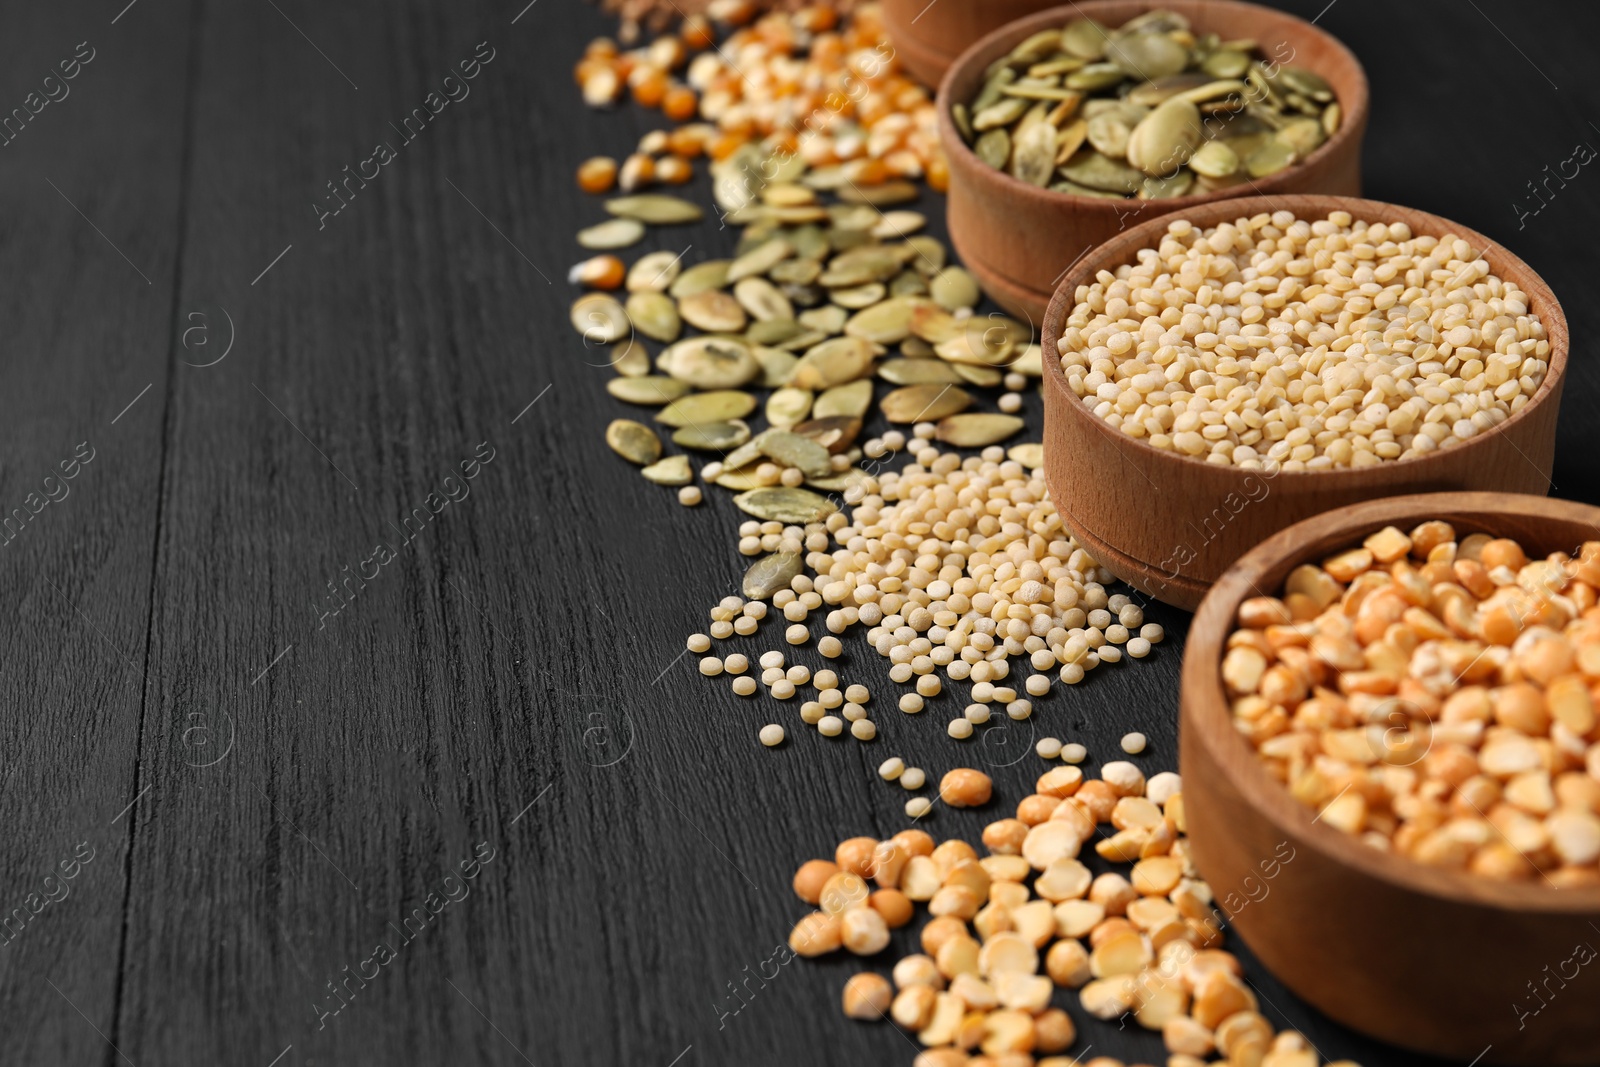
pixel 1169 525
pixel 928 36
pixel 1017 239
pixel 1429 959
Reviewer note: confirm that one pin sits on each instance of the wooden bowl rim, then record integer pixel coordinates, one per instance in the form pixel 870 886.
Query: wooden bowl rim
pixel 1503 262
pixel 1204 705
pixel 1353 124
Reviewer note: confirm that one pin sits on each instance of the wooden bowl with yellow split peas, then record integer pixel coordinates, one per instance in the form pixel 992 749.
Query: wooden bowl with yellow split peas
pixel 1435 959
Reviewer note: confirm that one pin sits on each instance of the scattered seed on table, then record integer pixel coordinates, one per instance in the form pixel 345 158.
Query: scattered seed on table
pixel 745 686
pixel 744 625
pixel 911 703
pixel 864 729
pixel 832 698
pixel 1019 709
pixel 736 664
pixel 825 679
pixel 771 735
pixel 782 689
pixel 831 647
pixel 771 659
pixel 1037 685
pixel 977 714
pixel 913 778
pixel 960 729
pixel 928 685
pixel 811 712
pixel 797 634
pixel 756 609
pixel 891 768
pixel 799 674
pixel 853 712
pixel 857 693
pixel 1138 647
pixel 689 496
pixel 721 629
pixel 1048 747
pixel 830 726
pixel 698 643
pixel 966 788
pixel 917 807
pixel 1074 753
pixel 1133 743
pixel 710 666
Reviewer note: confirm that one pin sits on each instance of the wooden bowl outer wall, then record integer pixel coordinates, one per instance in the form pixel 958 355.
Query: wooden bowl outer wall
pixel 1017 238
pixel 1420 957
pixel 929 37
pixel 1136 508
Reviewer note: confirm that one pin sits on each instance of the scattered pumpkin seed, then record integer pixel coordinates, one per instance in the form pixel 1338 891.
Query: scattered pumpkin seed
pixel 611 235
pixel 713 311
pixel 771 573
pixel 630 358
pixel 883 195
pixel 978 430
pixel 760 260
pixel 851 400
pixel 763 300
pixel 633 441
pixel 777 364
pixel 802 453
pixel 600 319
pixel 1030 455
pixel 654 272
pixel 887 323
pixel 673 471
pixel 711 362
pixel 651 390
pixel 924 403
pixel 712 436
pixel 657 209
pixel 918 371
pixel 655 315
pixel 700 278
pixel 723 405
pixel 843 359
pixel 782 504
pixel 858 297
pixel 787 407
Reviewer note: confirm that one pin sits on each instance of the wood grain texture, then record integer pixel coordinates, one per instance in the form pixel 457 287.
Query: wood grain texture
pixel 1019 239
pixel 928 37
pixel 1329 899
pixel 1211 515
pixel 525 650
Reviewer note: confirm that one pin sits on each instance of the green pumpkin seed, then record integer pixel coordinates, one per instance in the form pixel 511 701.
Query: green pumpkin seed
pixel 763 300
pixel 600 319
pixel 630 359
pixel 981 376
pixel 924 403
pixel 1332 117
pixel 713 311
pixel 1039 89
pixel 782 504
pixel 773 331
pixel 788 407
pixel 1085 38
pixel 1307 83
pixel 634 442
pixel 898 224
pixel 978 430
pixel 1305 136
pixel 1001 113
pixel 1270 158
pixel 760 260
pixel 1155 93
pixel 656 209
pixel 843 482
pixel 917 372
pixel 712 436
pixel 1108 135
pixel 829 320
pixel 1036 47
pixel 908 283
pixel 1165 140
pixel 1096 76
pixel 994 148
pixel 655 315
pixel 963 120
pixel 850 400
pixel 796 272
pixel 700 278
pixel 739 481
pixel 1097 172
pixel 861 296
pixel 777 364
pixel 1030 455
pixel 711 362
pixel 917 348
pixel 978 346
pixel 861 266
pixel 835 362
pixel 1214 159
pixel 654 272
pixel 651 390
pixel 1226 64
pixel 934 324
pixel 802 341
pixel 1033 156
pixel 992 90
pixel 802 453
pixel 954 288
pixel 1168 187
pixel 674 471
pixel 722 405
pixel 771 573
pixel 1074 189
pixel 617 233
pixel 931 254
pixel 887 323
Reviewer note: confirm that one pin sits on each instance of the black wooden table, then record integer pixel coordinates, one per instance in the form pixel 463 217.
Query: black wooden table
pixel 474 807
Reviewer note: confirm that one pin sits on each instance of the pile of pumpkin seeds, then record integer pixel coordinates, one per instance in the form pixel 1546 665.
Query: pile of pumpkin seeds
pixel 825 312
pixel 1150 110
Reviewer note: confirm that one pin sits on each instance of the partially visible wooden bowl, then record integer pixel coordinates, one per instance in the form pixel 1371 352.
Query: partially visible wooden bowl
pixel 1017 239
pixel 928 35
pixel 1169 525
pixel 1425 958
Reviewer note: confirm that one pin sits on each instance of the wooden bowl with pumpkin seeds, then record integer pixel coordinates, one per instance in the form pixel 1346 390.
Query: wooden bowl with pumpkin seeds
pixel 1285 102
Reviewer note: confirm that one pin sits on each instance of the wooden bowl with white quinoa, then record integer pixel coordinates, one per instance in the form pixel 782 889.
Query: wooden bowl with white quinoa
pixel 1168 514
